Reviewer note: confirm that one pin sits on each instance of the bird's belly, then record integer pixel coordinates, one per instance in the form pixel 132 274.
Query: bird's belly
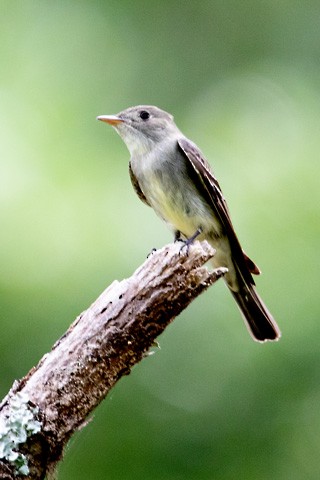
pixel 187 215
pixel 183 209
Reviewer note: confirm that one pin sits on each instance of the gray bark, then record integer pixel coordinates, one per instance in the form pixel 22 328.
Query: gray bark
pixel 102 345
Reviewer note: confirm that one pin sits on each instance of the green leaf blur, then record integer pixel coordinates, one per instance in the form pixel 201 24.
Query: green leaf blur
pixel 243 81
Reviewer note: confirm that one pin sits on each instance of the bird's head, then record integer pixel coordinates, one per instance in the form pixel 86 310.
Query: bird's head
pixel 142 127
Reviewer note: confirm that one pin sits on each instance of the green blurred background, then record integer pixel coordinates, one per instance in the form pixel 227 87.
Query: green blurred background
pixel 242 79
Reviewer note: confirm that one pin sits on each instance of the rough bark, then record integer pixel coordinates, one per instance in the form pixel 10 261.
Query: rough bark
pixel 102 345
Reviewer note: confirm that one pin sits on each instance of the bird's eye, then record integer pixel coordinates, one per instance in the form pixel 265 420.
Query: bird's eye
pixel 144 115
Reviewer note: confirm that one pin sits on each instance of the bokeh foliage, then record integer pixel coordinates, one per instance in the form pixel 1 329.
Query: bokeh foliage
pixel 242 79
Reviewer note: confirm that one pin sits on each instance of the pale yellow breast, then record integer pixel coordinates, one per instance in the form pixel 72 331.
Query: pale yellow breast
pixel 181 211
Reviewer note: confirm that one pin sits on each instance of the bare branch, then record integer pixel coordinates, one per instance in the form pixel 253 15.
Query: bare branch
pixel 102 345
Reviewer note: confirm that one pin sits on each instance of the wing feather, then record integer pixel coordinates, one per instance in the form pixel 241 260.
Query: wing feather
pixel 137 187
pixel 210 188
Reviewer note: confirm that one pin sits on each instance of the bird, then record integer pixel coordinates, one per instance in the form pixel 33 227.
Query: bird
pixel 170 174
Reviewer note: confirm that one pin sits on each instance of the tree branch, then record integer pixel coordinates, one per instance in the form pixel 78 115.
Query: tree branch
pixel 100 347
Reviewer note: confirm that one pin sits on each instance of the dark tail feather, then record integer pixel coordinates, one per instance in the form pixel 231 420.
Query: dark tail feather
pixel 259 320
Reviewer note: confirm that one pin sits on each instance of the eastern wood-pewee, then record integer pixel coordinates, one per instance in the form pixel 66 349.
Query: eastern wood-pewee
pixel 171 175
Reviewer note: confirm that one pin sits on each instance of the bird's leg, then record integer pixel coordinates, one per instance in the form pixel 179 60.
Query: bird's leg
pixel 187 243
pixel 177 236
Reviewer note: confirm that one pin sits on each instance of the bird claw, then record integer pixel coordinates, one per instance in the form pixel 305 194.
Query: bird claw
pixel 189 241
pixel 186 245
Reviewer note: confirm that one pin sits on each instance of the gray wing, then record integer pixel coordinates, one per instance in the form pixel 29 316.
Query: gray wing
pixel 136 187
pixel 209 186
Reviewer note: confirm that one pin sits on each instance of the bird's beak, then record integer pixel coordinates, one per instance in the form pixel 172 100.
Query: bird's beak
pixel 111 119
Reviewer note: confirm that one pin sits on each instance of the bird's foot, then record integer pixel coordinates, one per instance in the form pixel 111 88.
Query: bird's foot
pixel 189 241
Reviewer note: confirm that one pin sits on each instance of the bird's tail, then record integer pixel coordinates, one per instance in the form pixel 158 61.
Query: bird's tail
pixel 259 320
